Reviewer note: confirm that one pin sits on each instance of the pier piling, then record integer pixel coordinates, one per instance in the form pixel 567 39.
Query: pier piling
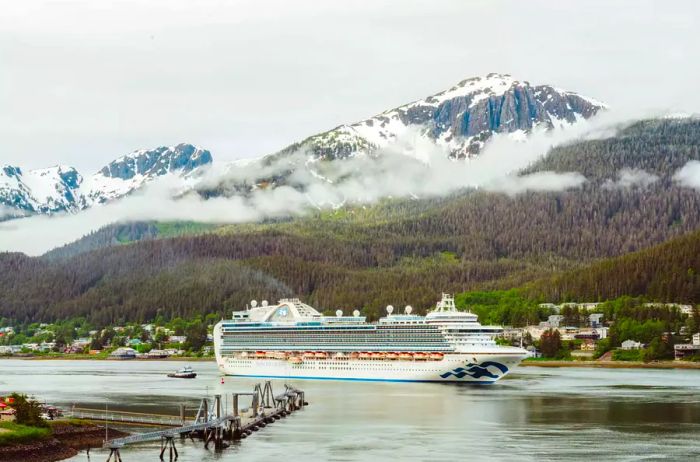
pixel 213 423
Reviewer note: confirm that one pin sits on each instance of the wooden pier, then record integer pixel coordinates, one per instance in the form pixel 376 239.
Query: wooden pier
pixel 213 424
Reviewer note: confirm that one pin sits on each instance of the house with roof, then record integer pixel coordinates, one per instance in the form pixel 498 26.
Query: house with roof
pixel 631 345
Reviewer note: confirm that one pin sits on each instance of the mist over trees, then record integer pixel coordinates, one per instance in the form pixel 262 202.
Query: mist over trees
pixel 563 244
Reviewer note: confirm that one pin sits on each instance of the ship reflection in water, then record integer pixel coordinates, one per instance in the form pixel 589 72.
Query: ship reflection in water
pixel 533 414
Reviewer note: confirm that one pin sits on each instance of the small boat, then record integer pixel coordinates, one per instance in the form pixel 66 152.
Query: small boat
pixel 378 356
pixel 309 355
pixel 405 356
pixel 296 360
pixel 392 356
pixel 260 354
pixel 364 355
pixel 436 356
pixel 321 355
pixel 184 373
pixel 420 356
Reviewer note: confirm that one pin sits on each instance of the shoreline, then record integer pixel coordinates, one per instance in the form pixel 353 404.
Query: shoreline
pixel 615 364
pixel 65 441
pixel 526 363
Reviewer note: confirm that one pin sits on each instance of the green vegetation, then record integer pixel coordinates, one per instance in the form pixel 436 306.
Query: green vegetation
pixel 627 355
pixel 142 337
pixel 14 433
pixel 28 411
pixel 503 307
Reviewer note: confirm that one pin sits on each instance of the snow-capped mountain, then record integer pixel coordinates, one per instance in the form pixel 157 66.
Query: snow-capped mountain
pixel 62 188
pixel 460 119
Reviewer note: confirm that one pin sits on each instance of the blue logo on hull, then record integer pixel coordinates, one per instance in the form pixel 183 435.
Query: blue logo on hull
pixel 477 371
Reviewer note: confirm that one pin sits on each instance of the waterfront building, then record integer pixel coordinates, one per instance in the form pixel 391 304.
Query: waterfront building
pixel 123 353
pixel 684 350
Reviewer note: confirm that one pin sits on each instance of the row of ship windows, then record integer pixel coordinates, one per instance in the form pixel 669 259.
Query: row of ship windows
pixel 331 330
pixel 363 367
pixel 332 339
pixel 321 345
pixel 332 334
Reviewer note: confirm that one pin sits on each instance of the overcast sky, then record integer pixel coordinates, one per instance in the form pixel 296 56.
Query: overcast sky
pixel 83 82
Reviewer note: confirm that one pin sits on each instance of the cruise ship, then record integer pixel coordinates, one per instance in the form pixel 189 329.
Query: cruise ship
pixel 293 340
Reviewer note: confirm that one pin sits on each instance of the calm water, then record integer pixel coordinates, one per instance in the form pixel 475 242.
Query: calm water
pixel 534 414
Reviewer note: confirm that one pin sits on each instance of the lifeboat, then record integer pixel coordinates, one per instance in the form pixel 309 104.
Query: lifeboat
pixel 420 356
pixel 260 354
pixel 377 355
pixel 392 356
pixel 296 360
pixel 436 356
pixel 354 355
pixel 321 355
pixel 280 355
pixel 270 354
pixel 364 355
pixel 405 356
pixel 309 355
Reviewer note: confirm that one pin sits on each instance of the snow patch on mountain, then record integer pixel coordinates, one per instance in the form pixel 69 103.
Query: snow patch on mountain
pixel 461 119
pixel 63 189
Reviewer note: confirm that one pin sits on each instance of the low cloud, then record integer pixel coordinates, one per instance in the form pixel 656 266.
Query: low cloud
pixel 689 175
pixel 630 177
pixel 410 168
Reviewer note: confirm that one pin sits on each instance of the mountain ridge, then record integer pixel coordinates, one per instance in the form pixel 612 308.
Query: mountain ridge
pixel 459 120
pixel 63 189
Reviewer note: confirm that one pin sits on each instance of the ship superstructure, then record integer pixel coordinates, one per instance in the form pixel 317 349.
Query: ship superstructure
pixel 292 339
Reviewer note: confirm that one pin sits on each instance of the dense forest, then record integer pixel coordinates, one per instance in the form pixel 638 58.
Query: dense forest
pixel 398 251
pixel 666 272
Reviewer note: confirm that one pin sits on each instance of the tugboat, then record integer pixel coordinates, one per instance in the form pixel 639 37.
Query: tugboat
pixel 184 373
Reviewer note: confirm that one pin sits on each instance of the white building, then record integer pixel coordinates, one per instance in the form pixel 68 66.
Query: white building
pixel 631 345
pixel 123 353
pixel 595 320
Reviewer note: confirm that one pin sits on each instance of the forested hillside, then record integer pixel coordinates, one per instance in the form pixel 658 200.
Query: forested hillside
pixel 397 252
pixel 666 272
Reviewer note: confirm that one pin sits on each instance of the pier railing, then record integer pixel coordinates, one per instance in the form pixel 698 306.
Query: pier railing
pixel 124 417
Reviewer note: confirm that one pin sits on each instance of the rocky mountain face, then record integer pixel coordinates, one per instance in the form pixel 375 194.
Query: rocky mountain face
pixel 63 189
pixel 460 119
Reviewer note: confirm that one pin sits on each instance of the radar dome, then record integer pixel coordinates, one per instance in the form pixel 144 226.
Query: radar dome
pixel 264 303
pixel 253 303
pixel 389 309
pixel 339 313
pixel 356 313
pixel 408 309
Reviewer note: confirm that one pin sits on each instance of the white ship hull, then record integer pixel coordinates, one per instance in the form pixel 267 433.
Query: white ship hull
pixel 481 368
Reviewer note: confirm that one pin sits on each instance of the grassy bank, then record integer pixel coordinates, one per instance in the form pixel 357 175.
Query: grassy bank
pixel 12 433
pixel 60 440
